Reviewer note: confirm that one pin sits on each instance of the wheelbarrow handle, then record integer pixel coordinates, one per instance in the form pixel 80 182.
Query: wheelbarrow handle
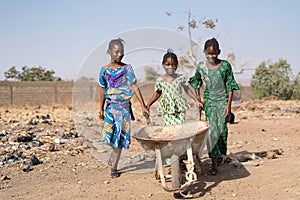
pixel 147 116
pixel 200 109
pixel 200 113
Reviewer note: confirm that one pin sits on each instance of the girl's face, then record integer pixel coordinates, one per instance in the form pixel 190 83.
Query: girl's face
pixel 170 66
pixel 211 54
pixel 116 53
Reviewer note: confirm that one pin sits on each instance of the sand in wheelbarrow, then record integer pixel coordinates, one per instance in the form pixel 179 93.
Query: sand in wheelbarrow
pixel 179 131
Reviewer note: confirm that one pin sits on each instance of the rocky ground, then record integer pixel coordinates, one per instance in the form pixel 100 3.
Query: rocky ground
pixel 44 156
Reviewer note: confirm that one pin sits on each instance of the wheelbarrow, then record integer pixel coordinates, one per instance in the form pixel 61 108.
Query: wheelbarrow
pixel 175 141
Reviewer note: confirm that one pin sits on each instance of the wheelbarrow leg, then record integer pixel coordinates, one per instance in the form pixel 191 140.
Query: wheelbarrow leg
pixel 156 174
pixel 190 174
pixel 159 167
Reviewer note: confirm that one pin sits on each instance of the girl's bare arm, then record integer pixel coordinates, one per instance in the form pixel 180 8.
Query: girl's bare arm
pixel 140 98
pixel 193 96
pixel 102 100
pixel 197 92
pixel 227 109
pixel 154 98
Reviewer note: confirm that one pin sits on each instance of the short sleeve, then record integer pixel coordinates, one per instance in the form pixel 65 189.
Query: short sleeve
pixel 196 80
pixel 158 85
pixel 130 75
pixel 184 80
pixel 102 80
pixel 231 84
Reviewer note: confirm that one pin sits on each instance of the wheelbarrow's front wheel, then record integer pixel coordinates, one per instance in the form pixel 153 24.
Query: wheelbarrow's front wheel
pixel 176 175
pixel 176 172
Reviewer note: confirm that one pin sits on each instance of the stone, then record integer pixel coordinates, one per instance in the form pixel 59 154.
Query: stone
pixel 77 142
pixel 34 160
pixel 13 138
pixel 27 168
pixel 57 141
pixel 250 107
pixel 48 147
pixel 271 155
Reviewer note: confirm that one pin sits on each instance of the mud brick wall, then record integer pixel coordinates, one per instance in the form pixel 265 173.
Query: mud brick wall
pixel 35 93
pixel 16 93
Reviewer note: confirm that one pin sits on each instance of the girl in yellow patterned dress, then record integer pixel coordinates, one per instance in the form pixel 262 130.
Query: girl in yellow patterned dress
pixel 172 105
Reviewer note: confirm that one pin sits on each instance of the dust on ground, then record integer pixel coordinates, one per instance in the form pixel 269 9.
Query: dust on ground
pixel 265 134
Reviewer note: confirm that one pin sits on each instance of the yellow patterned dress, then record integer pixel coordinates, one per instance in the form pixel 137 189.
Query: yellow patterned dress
pixel 173 104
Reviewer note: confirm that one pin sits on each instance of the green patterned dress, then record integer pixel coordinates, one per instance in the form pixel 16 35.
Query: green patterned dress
pixel 172 105
pixel 218 82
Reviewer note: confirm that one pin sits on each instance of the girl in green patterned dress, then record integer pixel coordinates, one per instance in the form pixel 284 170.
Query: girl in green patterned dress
pixel 219 83
pixel 172 105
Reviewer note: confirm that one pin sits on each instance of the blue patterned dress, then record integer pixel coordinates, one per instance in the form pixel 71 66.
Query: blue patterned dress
pixel 118 114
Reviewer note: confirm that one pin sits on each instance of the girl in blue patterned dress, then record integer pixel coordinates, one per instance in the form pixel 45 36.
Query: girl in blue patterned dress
pixel 118 84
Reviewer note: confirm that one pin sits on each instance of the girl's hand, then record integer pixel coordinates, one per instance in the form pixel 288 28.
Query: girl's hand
pixel 148 108
pixel 227 110
pixel 146 114
pixel 145 111
pixel 101 115
pixel 200 104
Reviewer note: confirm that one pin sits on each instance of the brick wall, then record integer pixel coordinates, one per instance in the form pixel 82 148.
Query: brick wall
pixel 35 93
pixel 47 93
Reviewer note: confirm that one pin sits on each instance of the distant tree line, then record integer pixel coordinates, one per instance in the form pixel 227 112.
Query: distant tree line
pixel 30 74
pixel 275 79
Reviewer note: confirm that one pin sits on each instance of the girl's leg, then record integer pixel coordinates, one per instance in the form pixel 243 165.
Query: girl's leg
pixel 222 142
pixel 116 156
pixel 110 159
pixel 116 153
pixel 214 163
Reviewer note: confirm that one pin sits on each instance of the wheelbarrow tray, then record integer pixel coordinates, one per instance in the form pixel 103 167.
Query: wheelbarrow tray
pixel 173 139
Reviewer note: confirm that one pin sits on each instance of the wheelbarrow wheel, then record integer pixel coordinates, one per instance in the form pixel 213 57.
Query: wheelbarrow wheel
pixel 176 171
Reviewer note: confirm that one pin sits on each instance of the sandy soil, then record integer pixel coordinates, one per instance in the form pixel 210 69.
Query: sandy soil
pixel 270 129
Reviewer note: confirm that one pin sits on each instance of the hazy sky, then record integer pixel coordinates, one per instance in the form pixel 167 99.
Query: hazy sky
pixel 60 34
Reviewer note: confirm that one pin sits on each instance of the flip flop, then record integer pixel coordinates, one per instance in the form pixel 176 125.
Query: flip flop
pixel 114 174
pixel 212 172
pixel 219 161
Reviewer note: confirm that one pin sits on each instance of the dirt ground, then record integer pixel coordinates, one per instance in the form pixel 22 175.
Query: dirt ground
pixel 269 129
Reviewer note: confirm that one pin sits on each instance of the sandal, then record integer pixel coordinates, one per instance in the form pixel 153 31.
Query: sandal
pixel 114 174
pixel 212 172
pixel 219 161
